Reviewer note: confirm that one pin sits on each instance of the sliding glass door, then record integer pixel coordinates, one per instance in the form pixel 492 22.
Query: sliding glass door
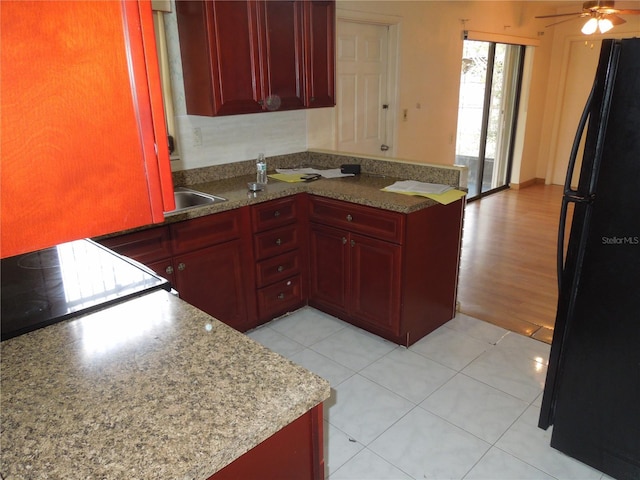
pixel 487 111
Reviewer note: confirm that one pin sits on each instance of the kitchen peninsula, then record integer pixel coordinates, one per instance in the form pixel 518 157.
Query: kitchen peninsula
pixel 151 388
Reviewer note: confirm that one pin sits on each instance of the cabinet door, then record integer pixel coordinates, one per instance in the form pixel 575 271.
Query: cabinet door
pixel 283 57
pixel 212 280
pixel 320 51
pixel 374 281
pixel 328 264
pixel 82 119
pixel 221 60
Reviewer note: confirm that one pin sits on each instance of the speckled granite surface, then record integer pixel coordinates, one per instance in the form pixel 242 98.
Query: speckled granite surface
pixel 152 388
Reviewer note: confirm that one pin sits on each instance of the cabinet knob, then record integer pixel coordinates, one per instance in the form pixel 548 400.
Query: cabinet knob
pixel 344 240
pixel 280 268
pixel 260 102
pixel 276 213
pixel 278 242
pixel 349 218
pixel 353 243
pixel 313 99
pixel 169 270
pixel 181 266
pixel 281 296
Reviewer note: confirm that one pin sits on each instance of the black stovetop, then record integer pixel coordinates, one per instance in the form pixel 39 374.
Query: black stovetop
pixel 57 283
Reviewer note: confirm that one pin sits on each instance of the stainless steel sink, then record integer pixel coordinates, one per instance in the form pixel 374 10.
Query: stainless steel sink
pixel 186 199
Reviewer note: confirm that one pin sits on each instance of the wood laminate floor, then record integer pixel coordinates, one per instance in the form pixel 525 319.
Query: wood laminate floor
pixel 508 265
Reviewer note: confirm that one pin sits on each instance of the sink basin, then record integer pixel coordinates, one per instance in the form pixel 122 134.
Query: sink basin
pixel 187 199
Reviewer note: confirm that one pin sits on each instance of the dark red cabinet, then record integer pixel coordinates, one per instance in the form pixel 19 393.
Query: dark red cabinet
pixel 280 246
pixel 206 261
pixel 248 56
pixel 393 274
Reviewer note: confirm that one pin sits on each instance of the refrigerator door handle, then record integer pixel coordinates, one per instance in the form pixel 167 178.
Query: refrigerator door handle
pixel 571 195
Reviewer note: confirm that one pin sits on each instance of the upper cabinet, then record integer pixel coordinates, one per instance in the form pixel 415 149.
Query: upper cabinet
pixel 254 56
pixel 84 144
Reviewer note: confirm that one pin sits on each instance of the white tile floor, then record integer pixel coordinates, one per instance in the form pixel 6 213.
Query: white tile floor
pixel 462 403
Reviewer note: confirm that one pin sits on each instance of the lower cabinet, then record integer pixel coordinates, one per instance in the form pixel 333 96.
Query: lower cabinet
pixel 204 259
pixel 390 273
pixel 393 274
pixel 295 452
pixel 280 249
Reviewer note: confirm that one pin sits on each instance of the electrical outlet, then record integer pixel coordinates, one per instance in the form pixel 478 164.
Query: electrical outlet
pixel 197 137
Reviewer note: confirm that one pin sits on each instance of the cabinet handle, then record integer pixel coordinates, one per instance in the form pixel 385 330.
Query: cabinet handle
pixel 169 270
pixel 281 296
pixel 344 240
pixel 278 242
pixel 280 268
pixel 181 266
pixel 349 218
pixel 276 213
pixel 353 243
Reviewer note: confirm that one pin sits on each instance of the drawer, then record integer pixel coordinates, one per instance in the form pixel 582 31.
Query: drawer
pixel 205 231
pixel 277 268
pixel 276 241
pixel 371 221
pixel 280 298
pixel 274 213
pixel 146 246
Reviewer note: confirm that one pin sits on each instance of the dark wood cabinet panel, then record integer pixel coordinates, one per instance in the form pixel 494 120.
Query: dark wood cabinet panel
pixel 375 222
pixel 328 264
pixel 320 50
pixel 281 297
pixel 375 281
pixel 208 230
pixel 296 452
pixel 283 56
pixel 248 56
pixel 275 213
pixel 211 279
pixel 278 268
pixel 277 241
pixel 220 56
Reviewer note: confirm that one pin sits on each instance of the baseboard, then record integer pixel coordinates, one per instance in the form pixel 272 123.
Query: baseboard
pixel 527 183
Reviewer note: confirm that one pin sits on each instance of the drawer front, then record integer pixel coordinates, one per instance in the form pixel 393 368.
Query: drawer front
pixel 146 246
pixel 277 268
pixel 274 213
pixel 277 241
pixel 280 298
pixel 375 222
pixel 206 231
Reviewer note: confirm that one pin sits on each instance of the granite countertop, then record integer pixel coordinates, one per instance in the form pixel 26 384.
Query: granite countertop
pixel 362 189
pixel 149 388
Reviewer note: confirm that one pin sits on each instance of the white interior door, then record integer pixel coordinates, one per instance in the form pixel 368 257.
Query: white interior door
pixel 581 69
pixel 362 91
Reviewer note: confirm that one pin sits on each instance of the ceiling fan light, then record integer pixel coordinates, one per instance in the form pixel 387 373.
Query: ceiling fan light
pixel 590 27
pixel 605 25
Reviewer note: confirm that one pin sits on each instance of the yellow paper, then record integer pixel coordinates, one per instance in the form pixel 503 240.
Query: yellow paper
pixel 445 198
pixel 288 177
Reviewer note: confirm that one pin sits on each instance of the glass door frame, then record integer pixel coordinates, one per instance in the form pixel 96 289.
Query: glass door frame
pixel 486 118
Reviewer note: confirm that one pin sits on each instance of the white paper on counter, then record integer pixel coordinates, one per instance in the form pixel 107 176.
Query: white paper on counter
pixel 328 173
pixel 413 186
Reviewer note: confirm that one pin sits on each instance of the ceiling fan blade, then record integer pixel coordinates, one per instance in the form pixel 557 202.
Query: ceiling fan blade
pixel 616 20
pixel 562 21
pixel 628 12
pixel 559 15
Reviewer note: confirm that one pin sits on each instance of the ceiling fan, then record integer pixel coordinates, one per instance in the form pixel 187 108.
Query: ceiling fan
pixel 601 15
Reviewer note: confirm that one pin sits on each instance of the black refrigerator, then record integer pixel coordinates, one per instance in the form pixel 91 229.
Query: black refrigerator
pixel 592 390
